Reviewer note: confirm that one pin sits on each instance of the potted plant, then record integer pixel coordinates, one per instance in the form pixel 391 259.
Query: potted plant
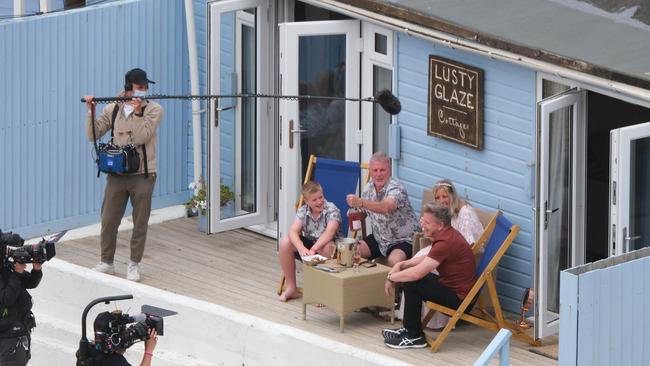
pixel 198 204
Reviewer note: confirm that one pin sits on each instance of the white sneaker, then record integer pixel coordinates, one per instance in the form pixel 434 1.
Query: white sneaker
pixel 105 268
pixel 133 272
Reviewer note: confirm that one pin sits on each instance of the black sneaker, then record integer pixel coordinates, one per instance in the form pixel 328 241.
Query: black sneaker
pixel 393 333
pixel 406 341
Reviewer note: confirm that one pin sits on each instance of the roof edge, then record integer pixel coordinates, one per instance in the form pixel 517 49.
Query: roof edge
pixel 441 25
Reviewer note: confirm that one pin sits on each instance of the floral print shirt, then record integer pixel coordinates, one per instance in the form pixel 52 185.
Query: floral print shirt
pixel 314 227
pixel 397 226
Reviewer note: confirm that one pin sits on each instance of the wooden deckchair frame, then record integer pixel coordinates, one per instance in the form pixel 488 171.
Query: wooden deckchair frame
pixel 480 316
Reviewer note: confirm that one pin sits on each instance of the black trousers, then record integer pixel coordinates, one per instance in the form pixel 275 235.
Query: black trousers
pixel 14 351
pixel 425 289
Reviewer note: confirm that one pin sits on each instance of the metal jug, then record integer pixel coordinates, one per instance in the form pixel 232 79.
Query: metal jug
pixel 345 249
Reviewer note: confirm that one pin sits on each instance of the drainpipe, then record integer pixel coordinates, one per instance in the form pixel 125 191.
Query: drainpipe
pixel 194 86
pixel 19 7
pixel 44 6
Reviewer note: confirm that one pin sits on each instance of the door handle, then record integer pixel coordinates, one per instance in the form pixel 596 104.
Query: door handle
pixel 218 110
pixel 630 238
pixel 291 132
pixel 627 239
pixel 547 214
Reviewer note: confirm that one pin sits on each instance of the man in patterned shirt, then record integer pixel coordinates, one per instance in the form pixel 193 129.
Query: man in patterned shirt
pixel 392 218
pixel 316 226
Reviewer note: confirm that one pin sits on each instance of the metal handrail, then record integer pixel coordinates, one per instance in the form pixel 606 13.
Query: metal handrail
pixel 500 344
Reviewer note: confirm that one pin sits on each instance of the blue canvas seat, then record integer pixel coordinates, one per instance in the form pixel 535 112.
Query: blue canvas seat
pixel 338 179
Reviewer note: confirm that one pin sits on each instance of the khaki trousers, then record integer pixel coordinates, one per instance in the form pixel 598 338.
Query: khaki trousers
pixel 119 189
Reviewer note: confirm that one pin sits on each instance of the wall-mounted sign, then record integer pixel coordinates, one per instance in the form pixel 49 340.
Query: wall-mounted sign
pixel 455 102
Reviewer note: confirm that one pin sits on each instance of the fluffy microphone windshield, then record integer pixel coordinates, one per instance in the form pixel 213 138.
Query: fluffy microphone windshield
pixel 388 101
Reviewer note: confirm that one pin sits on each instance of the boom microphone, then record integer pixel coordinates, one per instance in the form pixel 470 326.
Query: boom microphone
pixel 388 102
pixel 384 98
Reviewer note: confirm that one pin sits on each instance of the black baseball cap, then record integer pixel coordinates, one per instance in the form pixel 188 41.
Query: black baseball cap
pixel 103 322
pixel 137 76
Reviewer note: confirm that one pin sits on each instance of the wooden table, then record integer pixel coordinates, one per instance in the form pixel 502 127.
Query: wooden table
pixel 347 290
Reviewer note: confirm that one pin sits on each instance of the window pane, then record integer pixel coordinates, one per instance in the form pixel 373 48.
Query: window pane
pixel 321 72
pixel 639 194
pixel 381 44
pixel 559 201
pixel 381 79
pixel 238 117
pixel 550 88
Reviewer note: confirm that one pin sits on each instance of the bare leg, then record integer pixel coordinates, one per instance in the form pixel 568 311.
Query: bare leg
pixel 288 264
pixel 364 250
pixel 395 256
pixel 327 250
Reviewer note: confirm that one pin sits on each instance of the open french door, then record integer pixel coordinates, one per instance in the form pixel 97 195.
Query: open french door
pixel 560 205
pixel 316 58
pixel 629 199
pixel 238 127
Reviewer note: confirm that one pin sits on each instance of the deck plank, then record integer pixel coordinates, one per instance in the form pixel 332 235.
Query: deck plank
pixel 239 269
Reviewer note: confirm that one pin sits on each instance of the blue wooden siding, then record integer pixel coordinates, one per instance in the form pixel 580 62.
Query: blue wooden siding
pixel 603 307
pixel 498 177
pixel 49 178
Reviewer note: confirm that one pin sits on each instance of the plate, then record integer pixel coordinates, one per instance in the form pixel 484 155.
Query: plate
pixel 312 260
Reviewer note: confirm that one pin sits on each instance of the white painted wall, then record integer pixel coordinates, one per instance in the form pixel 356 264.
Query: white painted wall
pixel 201 334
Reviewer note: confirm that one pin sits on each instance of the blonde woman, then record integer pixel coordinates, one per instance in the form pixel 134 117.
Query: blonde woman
pixel 464 219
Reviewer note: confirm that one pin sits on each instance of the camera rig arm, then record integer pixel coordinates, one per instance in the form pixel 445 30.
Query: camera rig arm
pixel 83 343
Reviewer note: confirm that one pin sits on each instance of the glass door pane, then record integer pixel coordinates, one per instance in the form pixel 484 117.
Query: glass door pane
pixel 237 117
pixel 247 122
pixel 382 78
pixel 639 231
pixel 322 72
pixel 558 225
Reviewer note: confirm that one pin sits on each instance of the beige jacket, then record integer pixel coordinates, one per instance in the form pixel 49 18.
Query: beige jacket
pixel 131 130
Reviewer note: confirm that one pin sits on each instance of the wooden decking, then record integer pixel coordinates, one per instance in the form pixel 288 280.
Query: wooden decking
pixel 239 269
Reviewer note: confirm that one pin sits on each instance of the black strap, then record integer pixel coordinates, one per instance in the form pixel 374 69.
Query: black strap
pixel 144 157
pixel 144 153
pixel 113 116
pixel 92 120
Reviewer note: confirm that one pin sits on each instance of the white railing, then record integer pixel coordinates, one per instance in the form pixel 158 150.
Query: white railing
pixel 500 344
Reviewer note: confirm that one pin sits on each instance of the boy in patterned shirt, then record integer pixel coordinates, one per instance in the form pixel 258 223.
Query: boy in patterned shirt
pixel 316 226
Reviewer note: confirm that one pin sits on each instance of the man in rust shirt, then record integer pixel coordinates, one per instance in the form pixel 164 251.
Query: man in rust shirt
pixel 451 256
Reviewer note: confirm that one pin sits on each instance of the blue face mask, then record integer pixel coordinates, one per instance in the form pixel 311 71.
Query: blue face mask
pixel 139 93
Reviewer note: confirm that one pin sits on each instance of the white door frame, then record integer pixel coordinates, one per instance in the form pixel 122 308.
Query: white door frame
pixel 547 323
pixel 619 195
pixel 289 142
pixel 371 58
pixel 263 117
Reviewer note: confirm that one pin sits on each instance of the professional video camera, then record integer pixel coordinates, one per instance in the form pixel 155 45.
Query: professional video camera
pixel 12 247
pixel 116 330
